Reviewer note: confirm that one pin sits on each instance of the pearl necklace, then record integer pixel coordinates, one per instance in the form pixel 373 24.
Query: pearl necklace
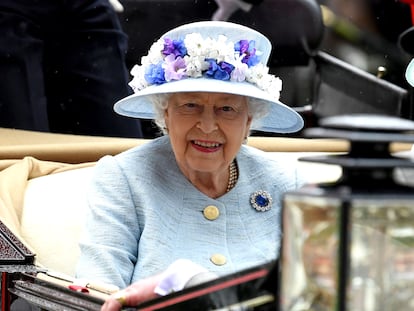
pixel 233 175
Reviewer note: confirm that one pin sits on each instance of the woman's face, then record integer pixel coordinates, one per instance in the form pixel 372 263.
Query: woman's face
pixel 206 129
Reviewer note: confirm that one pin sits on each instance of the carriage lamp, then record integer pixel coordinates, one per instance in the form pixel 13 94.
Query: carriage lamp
pixel 349 244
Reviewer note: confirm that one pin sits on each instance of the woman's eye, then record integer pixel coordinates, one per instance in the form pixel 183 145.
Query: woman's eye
pixel 188 108
pixel 227 109
pixel 190 105
pixel 227 112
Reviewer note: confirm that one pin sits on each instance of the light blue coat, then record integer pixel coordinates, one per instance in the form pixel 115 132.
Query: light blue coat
pixel 144 214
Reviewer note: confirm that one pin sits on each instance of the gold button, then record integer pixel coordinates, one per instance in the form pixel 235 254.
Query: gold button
pixel 218 259
pixel 211 212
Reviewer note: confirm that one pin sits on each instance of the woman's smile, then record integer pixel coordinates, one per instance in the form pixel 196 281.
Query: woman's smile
pixel 206 131
pixel 206 146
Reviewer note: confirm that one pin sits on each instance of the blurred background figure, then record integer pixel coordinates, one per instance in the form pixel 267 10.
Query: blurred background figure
pixel 62 65
pixel 226 8
pixel 365 33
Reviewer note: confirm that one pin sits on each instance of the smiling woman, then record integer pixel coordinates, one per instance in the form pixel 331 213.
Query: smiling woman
pixel 197 194
pixel 206 132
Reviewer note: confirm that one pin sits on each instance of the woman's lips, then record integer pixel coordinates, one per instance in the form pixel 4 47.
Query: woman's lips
pixel 206 146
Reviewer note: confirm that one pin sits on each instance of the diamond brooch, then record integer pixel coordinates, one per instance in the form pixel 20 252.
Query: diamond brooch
pixel 261 201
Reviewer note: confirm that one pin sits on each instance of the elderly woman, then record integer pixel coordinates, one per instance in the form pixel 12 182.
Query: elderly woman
pixel 196 199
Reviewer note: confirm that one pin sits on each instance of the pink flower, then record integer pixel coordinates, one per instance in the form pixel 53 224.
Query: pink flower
pixel 174 67
pixel 239 72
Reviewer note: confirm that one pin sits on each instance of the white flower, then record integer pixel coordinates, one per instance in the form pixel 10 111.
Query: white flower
pixel 225 50
pixel 195 44
pixel 138 82
pixel 154 54
pixel 274 86
pixel 260 76
pixel 195 66
pixel 257 74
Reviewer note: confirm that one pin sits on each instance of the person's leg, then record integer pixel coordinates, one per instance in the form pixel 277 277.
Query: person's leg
pixel 86 71
pixel 22 97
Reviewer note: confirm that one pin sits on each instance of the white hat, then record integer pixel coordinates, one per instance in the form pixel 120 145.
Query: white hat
pixel 210 56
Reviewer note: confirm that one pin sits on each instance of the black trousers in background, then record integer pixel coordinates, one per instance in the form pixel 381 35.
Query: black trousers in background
pixel 62 67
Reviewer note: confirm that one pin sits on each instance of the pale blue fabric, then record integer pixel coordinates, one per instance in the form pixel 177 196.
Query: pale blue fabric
pixel 144 214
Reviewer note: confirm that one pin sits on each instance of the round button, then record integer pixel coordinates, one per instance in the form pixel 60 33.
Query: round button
pixel 211 212
pixel 218 259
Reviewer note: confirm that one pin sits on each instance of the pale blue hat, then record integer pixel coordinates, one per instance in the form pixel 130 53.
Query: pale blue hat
pixel 210 56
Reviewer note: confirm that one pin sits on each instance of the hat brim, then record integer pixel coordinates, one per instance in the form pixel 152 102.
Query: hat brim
pixel 280 119
pixel 409 73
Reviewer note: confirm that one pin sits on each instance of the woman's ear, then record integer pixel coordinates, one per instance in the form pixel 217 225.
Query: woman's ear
pixel 249 123
pixel 247 132
pixel 166 116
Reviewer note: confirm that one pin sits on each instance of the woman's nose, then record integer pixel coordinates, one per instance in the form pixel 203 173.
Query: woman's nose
pixel 207 122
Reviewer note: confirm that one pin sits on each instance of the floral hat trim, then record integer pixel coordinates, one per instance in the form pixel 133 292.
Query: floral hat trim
pixel 195 57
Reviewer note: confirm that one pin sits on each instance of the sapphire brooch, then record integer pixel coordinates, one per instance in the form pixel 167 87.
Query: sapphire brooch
pixel 261 201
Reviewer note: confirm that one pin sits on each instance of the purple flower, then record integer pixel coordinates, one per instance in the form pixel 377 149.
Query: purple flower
pixel 221 71
pixel 174 68
pixel 175 47
pixel 248 49
pixel 154 74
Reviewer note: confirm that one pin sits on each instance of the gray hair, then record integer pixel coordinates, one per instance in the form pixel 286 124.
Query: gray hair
pixel 257 109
